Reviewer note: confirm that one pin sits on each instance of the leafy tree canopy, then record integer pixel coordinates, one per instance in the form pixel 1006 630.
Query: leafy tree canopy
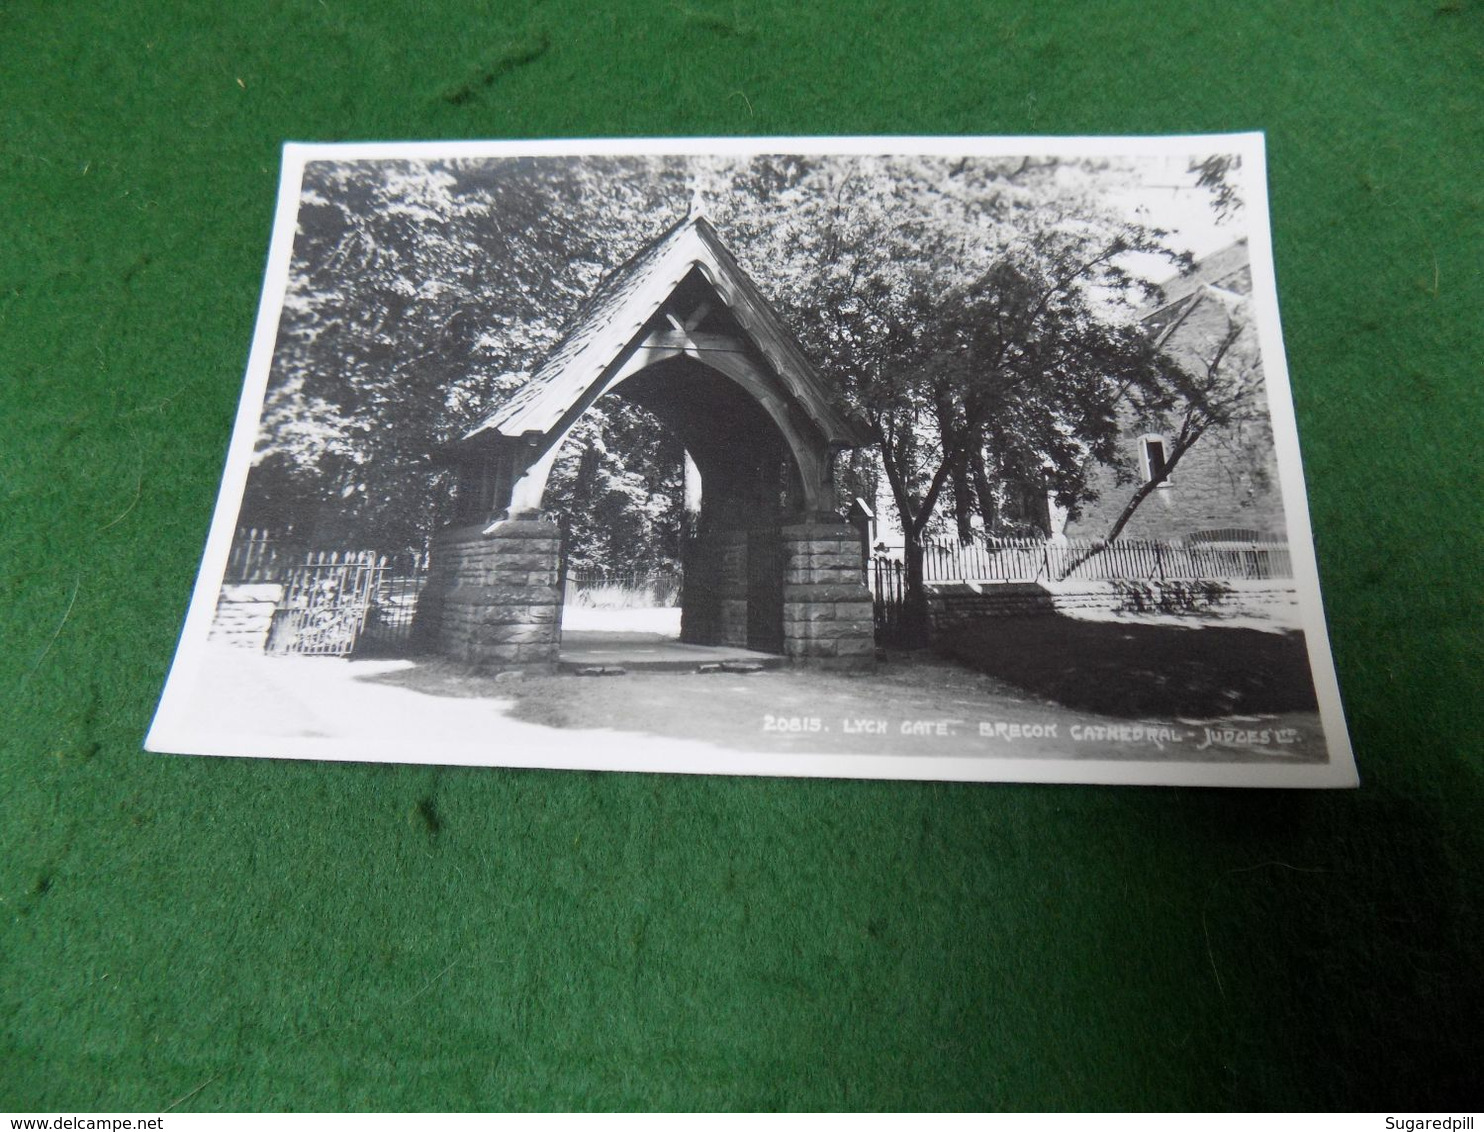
pixel 976 313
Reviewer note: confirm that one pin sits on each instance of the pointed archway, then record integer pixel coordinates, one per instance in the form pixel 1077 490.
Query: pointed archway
pixel 683 332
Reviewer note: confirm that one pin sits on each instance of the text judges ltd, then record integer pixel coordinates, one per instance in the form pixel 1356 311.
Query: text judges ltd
pixel 1004 731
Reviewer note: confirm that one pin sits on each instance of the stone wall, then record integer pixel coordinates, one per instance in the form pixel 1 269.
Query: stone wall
pixel 827 612
pixel 1217 484
pixel 952 604
pixel 492 599
pixel 1229 478
pixel 244 614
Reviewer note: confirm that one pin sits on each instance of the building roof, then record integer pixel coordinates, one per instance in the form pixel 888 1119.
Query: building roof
pixel 1213 270
pixel 625 301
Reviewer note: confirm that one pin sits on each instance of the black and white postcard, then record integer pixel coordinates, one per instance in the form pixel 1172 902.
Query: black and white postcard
pixel 943 458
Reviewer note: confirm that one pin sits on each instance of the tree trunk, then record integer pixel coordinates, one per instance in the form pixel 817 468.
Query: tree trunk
pixel 914 600
pixel 1146 489
pixel 913 625
pixel 988 509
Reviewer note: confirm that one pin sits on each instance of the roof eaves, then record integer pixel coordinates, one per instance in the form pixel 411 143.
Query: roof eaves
pixel 603 327
pixel 775 341
pixel 1220 264
pixel 650 276
pixel 1191 301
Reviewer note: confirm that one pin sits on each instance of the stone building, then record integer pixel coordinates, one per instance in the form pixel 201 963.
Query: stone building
pixel 1228 481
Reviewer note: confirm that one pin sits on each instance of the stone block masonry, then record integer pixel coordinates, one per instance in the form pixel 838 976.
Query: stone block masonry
pixel 827 614
pixel 955 604
pixel 244 614
pixel 492 598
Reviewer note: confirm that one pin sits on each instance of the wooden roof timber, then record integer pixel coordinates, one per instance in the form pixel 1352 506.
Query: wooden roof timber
pixel 602 345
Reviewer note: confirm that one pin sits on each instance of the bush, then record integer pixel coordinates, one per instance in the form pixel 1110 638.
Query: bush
pixel 1170 597
pixel 643 591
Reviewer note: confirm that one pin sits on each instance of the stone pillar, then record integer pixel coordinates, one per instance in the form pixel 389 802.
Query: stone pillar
pixel 732 586
pixel 714 603
pixel 244 614
pixel 828 621
pixel 492 599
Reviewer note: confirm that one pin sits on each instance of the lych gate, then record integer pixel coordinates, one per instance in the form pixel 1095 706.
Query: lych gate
pixel 683 332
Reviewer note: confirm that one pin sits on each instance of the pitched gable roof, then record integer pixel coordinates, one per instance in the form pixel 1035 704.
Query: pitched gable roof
pixel 1213 270
pixel 606 325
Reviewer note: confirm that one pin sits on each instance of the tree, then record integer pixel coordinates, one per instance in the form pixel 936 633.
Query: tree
pixel 618 484
pixel 1218 174
pixel 419 294
pixel 976 314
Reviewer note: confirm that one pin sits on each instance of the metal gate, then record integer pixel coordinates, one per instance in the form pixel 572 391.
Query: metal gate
pixel 326 602
pixel 888 598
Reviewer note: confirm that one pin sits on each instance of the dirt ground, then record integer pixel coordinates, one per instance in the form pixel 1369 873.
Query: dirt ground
pixel 1041 688
pixel 912 704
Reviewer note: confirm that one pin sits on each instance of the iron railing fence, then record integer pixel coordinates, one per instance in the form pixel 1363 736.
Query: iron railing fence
pixel 343 603
pixel 888 598
pixel 993 559
pixel 334 602
pixel 591 586
pixel 262 555
pixel 259 556
pixel 388 627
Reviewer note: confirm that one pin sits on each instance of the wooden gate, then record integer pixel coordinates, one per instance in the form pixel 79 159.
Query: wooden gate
pixel 765 589
pixel 325 604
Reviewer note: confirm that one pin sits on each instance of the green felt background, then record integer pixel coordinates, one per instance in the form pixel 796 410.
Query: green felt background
pixel 252 935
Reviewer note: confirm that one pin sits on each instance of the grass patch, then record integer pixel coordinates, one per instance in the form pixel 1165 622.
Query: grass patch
pixel 653 592
pixel 1135 670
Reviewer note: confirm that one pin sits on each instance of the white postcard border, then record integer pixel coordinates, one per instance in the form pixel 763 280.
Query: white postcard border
pixel 574 750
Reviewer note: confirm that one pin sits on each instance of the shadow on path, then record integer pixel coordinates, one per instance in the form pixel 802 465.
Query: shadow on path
pixel 1134 670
